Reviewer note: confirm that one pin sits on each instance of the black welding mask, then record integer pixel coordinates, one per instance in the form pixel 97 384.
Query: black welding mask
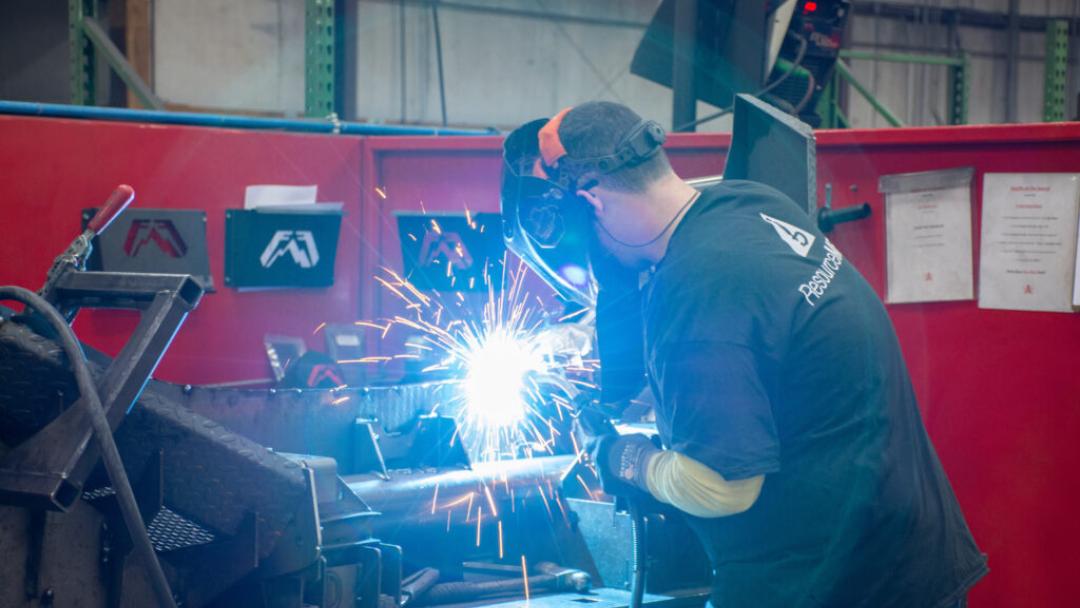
pixel 545 222
pixel 550 227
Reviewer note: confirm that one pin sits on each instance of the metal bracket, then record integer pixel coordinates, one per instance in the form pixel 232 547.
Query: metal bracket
pixel 367 457
pixel 47 471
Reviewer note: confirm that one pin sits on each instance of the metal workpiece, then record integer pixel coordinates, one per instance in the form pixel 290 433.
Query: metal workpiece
pixel 411 495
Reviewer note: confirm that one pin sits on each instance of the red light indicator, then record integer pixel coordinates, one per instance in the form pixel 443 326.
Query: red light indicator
pixel 810 7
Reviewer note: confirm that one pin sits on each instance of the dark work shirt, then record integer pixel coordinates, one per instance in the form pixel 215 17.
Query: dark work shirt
pixel 770 354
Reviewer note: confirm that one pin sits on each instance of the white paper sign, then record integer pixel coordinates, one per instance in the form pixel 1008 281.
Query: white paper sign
pixel 928 239
pixel 1029 223
pixel 272 195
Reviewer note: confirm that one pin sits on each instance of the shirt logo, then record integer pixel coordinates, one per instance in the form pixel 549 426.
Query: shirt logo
pixel 798 239
pixel 299 244
pixel 162 233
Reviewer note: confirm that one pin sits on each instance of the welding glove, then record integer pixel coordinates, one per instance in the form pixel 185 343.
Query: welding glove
pixel 622 463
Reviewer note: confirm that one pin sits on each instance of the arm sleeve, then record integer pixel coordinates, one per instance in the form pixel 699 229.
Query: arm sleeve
pixel 717 409
pixel 696 489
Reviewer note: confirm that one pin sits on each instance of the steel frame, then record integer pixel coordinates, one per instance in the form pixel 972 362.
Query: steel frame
pixel 833 116
pixel 87 37
pixel 1055 103
pixel 47 471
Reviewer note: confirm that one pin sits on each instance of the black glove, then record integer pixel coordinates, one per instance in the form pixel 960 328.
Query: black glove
pixel 622 463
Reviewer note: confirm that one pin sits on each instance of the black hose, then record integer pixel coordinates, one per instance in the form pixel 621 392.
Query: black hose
pixel 638 553
pixel 91 401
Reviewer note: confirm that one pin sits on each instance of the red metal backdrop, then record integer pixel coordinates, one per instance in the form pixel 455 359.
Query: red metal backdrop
pixel 51 169
pixel 999 390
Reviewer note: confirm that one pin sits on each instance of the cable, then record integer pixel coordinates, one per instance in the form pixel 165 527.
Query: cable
pixel 91 401
pixel 438 58
pixel 639 558
pixel 678 214
pixel 810 86
pixel 725 111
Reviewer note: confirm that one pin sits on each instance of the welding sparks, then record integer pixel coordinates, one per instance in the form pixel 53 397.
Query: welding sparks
pixel 479 520
pixel 525 577
pixel 500 540
pixel 501 361
pixel 491 501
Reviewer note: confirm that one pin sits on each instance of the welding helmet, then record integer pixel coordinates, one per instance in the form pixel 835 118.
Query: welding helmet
pixel 545 222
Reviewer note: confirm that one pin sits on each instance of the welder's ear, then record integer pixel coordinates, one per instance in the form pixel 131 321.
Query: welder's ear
pixel 594 202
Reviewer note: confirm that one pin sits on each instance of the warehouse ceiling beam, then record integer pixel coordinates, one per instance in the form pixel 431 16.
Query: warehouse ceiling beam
pixel 956 16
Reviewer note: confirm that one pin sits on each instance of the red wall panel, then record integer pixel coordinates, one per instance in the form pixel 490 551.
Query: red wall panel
pixel 51 169
pixel 999 390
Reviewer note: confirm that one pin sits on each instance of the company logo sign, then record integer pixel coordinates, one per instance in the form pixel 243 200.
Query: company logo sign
pixel 798 239
pixel 447 247
pixel 161 233
pixel 298 244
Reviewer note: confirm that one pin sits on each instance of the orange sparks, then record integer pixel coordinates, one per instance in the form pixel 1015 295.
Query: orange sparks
pixel 436 227
pixel 588 491
pixel 468 511
pixel 500 540
pixel 434 499
pixel 319 328
pixel 340 400
pixel 565 517
pixel 547 505
pixel 479 519
pixel 459 501
pixel 365 360
pixel 380 192
pixel 525 577
pixel 491 501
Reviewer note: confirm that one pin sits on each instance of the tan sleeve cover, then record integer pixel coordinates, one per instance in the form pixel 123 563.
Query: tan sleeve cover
pixel 694 488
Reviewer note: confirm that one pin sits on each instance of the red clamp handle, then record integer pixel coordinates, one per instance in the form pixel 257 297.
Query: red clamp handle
pixel 114 206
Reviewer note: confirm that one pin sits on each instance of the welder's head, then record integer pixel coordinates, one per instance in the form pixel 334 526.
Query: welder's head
pixel 599 129
pixel 553 173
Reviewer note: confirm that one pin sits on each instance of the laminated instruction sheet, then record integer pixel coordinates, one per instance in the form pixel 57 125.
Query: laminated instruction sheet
pixel 1029 240
pixel 928 236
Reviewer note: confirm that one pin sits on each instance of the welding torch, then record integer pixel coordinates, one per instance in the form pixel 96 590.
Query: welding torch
pixel 594 419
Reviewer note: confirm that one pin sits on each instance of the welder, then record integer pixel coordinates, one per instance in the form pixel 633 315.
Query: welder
pixel 791 435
